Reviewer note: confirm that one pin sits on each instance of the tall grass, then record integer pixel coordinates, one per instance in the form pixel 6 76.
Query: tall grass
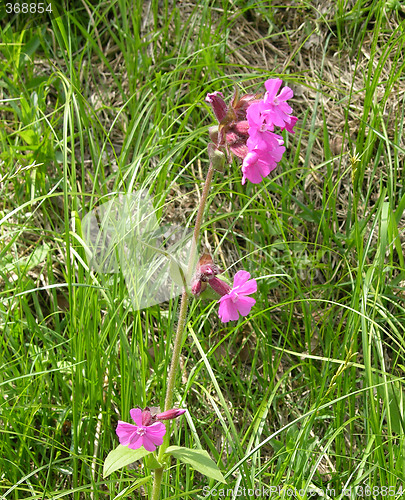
pixel 307 392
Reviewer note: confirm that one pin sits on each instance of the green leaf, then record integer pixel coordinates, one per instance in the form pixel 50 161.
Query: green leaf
pixel 120 457
pixel 199 460
pixel 129 489
pixel 151 462
pixel 29 136
pixel 25 264
pixel 396 396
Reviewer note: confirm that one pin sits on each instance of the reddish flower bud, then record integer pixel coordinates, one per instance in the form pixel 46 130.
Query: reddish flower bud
pixel 243 103
pixel 216 99
pixel 246 128
pixel 206 268
pixel 242 127
pixel 198 286
pixel 239 149
pixel 221 287
pixel 231 133
pixel 170 414
pixel 147 418
pixel 205 271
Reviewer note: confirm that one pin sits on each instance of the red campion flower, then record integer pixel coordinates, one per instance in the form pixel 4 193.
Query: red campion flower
pixel 246 129
pixel 147 432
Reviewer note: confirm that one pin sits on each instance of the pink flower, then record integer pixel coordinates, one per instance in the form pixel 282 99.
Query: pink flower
pixel 144 433
pixel 259 163
pixel 261 134
pixel 276 111
pixel 246 129
pixel 147 432
pixel 233 300
pixel 231 133
pixel 236 302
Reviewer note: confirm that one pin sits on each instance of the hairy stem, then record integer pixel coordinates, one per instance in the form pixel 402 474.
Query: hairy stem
pixel 157 483
pixel 184 298
pixel 180 327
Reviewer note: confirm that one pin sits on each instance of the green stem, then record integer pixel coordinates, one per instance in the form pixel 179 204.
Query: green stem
pixel 157 482
pixel 184 298
pixel 180 328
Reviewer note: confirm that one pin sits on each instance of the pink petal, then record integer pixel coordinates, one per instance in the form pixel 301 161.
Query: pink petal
pixel 275 116
pixel 272 87
pixel 136 442
pixel 154 435
pixel 264 142
pixel 157 429
pixel 240 278
pixel 285 94
pixel 259 163
pixel 245 304
pixel 125 432
pixel 149 443
pixel 248 288
pixel 227 310
pixel 256 169
pixel 254 114
pixel 284 108
pixel 156 438
pixel 290 126
pixel 136 415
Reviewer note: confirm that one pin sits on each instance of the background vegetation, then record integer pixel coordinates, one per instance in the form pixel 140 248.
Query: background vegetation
pixel 308 391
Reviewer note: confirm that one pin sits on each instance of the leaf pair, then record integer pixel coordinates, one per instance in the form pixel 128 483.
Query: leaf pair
pixel 198 459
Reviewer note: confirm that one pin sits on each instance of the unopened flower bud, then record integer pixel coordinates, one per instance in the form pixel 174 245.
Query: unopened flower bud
pixel 198 286
pixel 217 157
pixel 170 414
pixel 216 99
pixel 147 418
pixel 242 127
pixel 221 287
pixel 213 133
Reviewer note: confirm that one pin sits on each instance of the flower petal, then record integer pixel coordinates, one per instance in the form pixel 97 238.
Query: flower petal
pixel 245 304
pixel 148 443
pixel 136 415
pixel 285 94
pixel 247 288
pixel 227 309
pixel 240 278
pixel 156 429
pixel 272 86
pixel 125 432
pixel 136 441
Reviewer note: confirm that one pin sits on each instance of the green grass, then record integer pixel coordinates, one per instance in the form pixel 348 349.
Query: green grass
pixel 307 391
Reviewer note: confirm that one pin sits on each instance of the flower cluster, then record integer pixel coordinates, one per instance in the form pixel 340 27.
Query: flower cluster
pixel 246 128
pixel 234 300
pixel 148 431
